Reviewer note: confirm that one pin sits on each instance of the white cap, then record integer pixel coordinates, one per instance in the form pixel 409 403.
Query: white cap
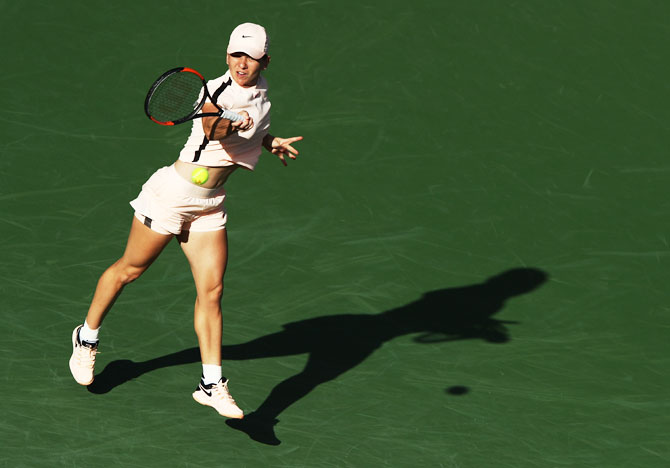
pixel 250 39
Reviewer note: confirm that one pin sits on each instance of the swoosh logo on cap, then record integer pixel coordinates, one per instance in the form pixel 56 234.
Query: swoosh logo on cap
pixel 245 37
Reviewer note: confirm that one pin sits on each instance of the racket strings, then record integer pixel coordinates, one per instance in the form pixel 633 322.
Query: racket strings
pixel 176 97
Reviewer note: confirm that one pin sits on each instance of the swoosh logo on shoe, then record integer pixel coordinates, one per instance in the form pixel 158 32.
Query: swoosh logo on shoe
pixel 204 390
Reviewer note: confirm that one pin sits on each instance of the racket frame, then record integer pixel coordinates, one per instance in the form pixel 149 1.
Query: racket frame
pixel 193 115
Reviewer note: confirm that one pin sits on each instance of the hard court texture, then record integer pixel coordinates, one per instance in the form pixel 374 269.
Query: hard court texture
pixel 467 266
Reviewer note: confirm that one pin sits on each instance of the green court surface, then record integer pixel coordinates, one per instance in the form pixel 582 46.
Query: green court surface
pixel 467 266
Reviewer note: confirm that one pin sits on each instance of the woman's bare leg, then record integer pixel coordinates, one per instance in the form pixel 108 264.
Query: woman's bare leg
pixel 207 253
pixel 142 248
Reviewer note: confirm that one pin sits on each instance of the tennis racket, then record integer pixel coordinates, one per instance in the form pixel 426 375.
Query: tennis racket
pixel 178 95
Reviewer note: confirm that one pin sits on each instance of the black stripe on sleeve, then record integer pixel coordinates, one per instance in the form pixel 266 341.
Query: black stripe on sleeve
pixel 223 86
pixel 205 140
pixel 203 145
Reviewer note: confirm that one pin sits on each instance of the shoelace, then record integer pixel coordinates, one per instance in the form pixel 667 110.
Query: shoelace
pixel 86 355
pixel 221 389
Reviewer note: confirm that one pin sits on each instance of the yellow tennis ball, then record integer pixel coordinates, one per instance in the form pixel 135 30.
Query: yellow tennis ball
pixel 199 175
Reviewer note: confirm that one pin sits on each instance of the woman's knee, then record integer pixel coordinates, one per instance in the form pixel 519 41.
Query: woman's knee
pixel 126 273
pixel 211 295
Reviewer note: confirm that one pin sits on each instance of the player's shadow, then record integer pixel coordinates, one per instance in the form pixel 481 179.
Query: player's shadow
pixel 338 343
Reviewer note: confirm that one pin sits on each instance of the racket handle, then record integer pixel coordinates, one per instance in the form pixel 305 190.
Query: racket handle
pixel 230 115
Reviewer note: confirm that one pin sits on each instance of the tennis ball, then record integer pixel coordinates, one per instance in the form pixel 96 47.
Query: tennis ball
pixel 199 175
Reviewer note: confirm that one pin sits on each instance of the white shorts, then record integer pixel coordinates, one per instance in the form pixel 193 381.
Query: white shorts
pixel 169 204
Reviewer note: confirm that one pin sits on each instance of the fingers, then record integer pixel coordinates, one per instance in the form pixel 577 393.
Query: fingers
pixel 286 150
pixel 292 151
pixel 282 155
pixel 283 148
pixel 292 139
pixel 286 142
pixel 245 124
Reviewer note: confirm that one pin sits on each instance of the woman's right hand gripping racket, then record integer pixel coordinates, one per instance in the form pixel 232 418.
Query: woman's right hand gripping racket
pixel 178 95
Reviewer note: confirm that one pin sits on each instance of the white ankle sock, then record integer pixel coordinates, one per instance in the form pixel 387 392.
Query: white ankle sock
pixel 211 373
pixel 88 334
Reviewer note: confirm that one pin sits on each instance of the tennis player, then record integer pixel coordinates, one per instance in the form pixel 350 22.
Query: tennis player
pixel 186 201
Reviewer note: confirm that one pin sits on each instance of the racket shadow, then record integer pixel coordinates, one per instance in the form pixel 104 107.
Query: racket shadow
pixel 338 343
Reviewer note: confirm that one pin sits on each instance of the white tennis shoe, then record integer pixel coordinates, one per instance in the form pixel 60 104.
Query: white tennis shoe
pixel 218 397
pixel 82 361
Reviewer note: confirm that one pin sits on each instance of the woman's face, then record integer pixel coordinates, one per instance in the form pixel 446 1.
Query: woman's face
pixel 244 69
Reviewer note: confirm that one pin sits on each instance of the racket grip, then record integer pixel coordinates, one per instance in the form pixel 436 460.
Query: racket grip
pixel 230 115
